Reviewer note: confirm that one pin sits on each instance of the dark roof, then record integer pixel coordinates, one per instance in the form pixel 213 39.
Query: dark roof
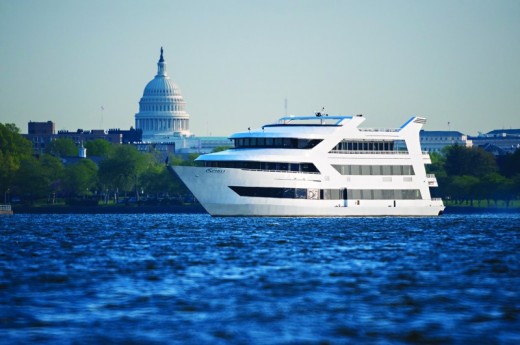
pixel 504 131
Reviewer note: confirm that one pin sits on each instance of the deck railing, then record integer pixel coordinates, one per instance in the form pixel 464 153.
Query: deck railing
pixel 370 152
pixel 378 129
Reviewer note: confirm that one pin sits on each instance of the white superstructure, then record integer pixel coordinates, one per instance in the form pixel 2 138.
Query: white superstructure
pixel 317 166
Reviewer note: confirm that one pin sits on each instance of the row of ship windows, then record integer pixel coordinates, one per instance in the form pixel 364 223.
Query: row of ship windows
pixel 374 169
pixel 328 194
pixel 268 166
pixel 344 145
pixel 395 145
pixel 282 143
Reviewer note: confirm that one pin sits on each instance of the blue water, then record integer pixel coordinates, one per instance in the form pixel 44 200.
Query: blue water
pixel 193 279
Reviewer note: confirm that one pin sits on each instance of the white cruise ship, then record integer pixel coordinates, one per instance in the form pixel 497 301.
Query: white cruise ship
pixel 317 166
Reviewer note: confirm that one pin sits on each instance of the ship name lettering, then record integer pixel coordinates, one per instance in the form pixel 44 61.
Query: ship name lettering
pixel 215 171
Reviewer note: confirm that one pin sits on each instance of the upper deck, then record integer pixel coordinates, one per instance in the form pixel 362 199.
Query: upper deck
pixel 318 120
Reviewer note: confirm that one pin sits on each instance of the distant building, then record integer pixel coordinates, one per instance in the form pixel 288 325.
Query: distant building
pixel 163 150
pixel 498 141
pixel 435 141
pixel 42 133
pixel 82 136
pixel 163 119
pixel 128 136
pixel 162 115
pixel 41 128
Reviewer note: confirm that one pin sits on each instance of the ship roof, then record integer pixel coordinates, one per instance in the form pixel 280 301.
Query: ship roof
pixel 424 133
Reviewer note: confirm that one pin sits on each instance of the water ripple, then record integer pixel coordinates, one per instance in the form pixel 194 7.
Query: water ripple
pixel 197 279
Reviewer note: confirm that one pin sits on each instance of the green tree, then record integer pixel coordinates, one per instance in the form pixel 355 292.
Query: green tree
pixel 62 147
pixel 497 187
pixel 506 190
pixel 463 188
pixel 80 177
pixel 52 169
pixel 157 180
pixel 471 161
pixel 37 178
pixel 221 148
pixel 437 165
pixel 510 164
pixel 190 160
pixel 121 170
pixel 31 182
pixel 175 160
pixel 13 149
pixel 516 186
pixel 98 147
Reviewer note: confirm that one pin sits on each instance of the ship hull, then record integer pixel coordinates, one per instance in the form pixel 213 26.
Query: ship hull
pixel 213 189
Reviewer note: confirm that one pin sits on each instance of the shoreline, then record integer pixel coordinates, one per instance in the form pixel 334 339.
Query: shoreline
pixel 198 209
pixel 107 209
pixel 479 210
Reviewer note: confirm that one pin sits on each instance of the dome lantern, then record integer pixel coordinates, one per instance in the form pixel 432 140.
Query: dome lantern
pixel 161 65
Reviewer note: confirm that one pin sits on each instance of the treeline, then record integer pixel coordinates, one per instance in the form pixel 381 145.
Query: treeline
pixel 465 175
pixel 121 173
pixel 473 175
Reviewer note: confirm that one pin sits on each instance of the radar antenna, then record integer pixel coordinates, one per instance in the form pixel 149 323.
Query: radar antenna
pixel 320 113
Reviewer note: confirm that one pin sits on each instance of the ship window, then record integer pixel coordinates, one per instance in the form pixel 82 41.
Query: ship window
pixel 408 170
pixel 288 193
pixel 300 193
pixel 334 194
pixel 396 170
pixel 287 143
pixel 388 194
pixel 355 194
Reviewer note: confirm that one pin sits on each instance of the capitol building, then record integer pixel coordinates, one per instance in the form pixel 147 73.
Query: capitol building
pixel 162 112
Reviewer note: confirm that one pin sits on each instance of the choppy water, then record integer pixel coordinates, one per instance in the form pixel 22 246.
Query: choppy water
pixel 201 280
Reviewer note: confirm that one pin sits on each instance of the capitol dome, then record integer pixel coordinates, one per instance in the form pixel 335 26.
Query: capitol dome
pixel 162 108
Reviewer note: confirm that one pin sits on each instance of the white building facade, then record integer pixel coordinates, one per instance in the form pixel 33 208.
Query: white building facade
pixel 435 141
pixel 162 115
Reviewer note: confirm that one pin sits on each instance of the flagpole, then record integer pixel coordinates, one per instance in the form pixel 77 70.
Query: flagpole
pixel 101 123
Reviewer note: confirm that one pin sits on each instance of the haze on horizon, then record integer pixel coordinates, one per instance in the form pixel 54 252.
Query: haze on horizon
pixel 453 62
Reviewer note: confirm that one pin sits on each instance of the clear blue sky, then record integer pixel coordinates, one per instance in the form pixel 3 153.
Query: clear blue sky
pixel 237 61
